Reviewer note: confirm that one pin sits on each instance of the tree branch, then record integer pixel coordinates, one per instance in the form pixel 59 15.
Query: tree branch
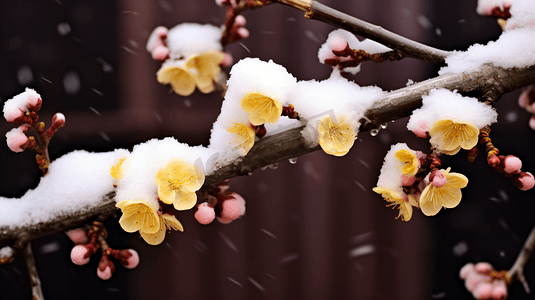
pixel 408 47
pixel 289 144
pixel 35 282
pixel 517 270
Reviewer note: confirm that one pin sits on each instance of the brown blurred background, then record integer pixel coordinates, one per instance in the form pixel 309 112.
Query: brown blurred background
pixel 313 230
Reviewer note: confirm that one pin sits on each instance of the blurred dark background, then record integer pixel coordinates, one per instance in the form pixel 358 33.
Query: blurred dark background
pixel 313 230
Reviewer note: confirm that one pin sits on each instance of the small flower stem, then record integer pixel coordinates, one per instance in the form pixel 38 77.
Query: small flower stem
pixel 230 18
pixel 517 270
pixel 35 282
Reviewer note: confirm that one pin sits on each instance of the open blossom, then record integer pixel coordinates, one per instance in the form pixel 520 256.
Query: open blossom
pixel 246 136
pixel 138 215
pixel 167 222
pixel 336 138
pixel 395 199
pixel 449 136
pixel 262 109
pixel 200 70
pixel 444 190
pixel 410 162
pixel 177 183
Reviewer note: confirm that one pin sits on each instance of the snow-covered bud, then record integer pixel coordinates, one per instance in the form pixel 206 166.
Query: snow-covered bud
pixel 80 255
pixel 511 164
pixel 465 270
pixel 232 208
pixel 205 213
pixel 421 130
pixel 58 120
pixel 34 102
pixel 16 107
pixel 17 141
pixel 483 268
pixel 78 236
pixel 337 44
pixel 105 268
pixel 129 258
pixel 523 180
pixel 156 44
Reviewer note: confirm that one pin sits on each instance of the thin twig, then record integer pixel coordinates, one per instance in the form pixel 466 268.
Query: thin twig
pixel 409 48
pixel 35 282
pixel 517 270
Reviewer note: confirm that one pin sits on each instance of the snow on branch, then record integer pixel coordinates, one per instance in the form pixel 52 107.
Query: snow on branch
pixel 291 143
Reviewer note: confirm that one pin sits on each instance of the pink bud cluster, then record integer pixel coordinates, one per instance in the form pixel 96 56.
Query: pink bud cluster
pixel 157 45
pixel 510 166
pixel 235 27
pixel 484 282
pixel 527 101
pixel 221 205
pixel 23 108
pixel 90 241
pixel 340 53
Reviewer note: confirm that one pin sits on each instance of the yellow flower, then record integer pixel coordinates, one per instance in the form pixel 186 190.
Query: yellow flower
pixel 177 183
pixel 138 215
pixel 199 70
pixel 246 136
pixel 167 222
pixel 410 161
pixel 449 136
pixel 116 171
pixel 394 198
pixel 449 195
pixel 336 138
pixel 261 108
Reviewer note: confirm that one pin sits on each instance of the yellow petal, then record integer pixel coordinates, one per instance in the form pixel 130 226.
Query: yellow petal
pixel 456 180
pixel 180 79
pixel 428 204
pixel 154 238
pixel 450 197
pixel 138 215
pixel 171 222
pixel 405 211
pixel 166 194
pixel 335 138
pixel 205 84
pixel 185 200
pixel 410 161
pixel 246 136
pixel 176 178
pixel 206 64
pixel 449 135
pixel 261 109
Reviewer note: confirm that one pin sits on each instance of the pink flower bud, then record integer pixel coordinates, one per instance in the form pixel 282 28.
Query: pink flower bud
pixel 483 268
pixel 531 122
pixel 104 274
pixel 242 32
pixel 337 44
pixel 58 120
pixel 17 141
pixel 80 255
pixel 129 258
pixel 483 291
pixel 500 290
pixel 161 32
pixel 473 280
pixel 407 180
pixel 105 268
pixel 34 102
pixel 205 213
pixel 239 21
pixel 523 180
pixel 160 53
pixel 512 164
pixel 525 98
pixel 421 130
pixel 438 179
pixel 227 60
pixel 13 115
pixel 465 270
pixel 78 236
